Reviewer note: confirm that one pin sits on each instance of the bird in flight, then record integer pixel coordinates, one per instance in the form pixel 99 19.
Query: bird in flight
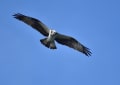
pixel 52 35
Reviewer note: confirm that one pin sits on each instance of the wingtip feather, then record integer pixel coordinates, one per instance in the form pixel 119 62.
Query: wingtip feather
pixel 87 51
pixel 18 16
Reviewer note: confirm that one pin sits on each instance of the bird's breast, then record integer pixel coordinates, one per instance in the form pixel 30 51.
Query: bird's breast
pixel 51 37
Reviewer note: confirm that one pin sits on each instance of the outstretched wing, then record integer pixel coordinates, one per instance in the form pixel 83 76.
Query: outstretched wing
pixel 72 43
pixel 36 24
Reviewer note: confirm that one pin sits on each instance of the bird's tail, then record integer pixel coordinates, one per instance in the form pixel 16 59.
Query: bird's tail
pixel 48 44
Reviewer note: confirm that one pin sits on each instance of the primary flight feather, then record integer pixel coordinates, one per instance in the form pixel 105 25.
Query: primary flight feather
pixel 52 35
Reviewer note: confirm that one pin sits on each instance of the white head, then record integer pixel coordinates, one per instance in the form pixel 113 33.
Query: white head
pixel 52 32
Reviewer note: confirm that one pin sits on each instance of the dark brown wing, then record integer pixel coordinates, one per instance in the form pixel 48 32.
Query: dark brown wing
pixel 72 43
pixel 36 24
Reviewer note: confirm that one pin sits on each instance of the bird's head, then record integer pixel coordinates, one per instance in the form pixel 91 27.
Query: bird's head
pixel 52 32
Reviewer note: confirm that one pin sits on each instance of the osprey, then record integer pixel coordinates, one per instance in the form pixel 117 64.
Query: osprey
pixel 52 35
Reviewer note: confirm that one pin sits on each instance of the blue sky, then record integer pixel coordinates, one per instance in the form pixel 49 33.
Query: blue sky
pixel 25 61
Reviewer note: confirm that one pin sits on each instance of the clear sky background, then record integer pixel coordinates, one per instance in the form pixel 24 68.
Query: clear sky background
pixel 25 61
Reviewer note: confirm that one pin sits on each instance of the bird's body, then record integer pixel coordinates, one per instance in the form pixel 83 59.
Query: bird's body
pixel 52 35
pixel 49 41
